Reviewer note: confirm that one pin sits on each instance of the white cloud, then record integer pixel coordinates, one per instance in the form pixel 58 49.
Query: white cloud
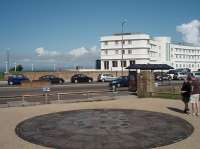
pixel 42 52
pixel 80 56
pixel 80 52
pixel 190 31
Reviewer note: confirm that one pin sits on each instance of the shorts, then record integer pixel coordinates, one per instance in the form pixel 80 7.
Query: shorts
pixel 185 99
pixel 194 98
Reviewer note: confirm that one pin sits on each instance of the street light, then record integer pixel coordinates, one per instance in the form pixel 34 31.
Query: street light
pixel 15 66
pixel 6 67
pixel 32 67
pixel 122 23
pixel 54 67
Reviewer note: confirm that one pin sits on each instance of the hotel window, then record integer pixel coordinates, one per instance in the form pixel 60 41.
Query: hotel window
pixel 129 51
pixel 123 41
pixel 114 63
pixel 105 42
pixel 106 64
pixel 106 52
pixel 183 65
pixel 176 56
pixel 116 42
pixel 176 65
pixel 123 63
pixel 132 62
pixel 180 65
pixel 192 65
pixel 129 42
pixel 189 65
pixel 123 51
pixel 116 52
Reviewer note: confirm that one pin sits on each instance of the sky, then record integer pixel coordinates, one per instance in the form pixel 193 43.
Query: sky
pixel 67 32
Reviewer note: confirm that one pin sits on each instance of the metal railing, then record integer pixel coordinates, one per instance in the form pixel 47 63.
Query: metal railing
pixel 23 99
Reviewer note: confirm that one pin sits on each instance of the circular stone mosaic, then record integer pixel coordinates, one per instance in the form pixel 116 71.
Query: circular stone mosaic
pixel 104 129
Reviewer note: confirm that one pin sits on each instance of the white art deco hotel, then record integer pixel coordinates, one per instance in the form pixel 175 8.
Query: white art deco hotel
pixel 141 48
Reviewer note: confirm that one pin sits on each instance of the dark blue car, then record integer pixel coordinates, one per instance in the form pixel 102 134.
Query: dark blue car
pixel 122 81
pixel 16 79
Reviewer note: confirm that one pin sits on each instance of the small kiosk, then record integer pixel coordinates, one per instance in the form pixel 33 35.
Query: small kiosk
pixel 141 78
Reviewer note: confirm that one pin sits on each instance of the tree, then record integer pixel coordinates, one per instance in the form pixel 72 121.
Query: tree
pixel 18 68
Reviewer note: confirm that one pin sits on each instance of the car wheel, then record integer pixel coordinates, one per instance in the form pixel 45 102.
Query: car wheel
pixel 60 82
pixel 10 83
pixel 118 85
pixel 75 81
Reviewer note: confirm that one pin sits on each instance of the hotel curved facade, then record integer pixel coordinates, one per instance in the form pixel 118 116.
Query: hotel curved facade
pixel 141 48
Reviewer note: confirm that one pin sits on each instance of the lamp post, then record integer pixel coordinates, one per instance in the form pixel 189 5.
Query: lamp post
pixel 32 67
pixel 122 23
pixel 6 67
pixel 54 67
pixel 15 66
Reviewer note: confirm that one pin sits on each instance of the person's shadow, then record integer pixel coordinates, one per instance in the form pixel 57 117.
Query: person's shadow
pixel 176 110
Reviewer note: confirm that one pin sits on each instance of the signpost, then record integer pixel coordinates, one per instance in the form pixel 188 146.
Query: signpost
pixel 46 90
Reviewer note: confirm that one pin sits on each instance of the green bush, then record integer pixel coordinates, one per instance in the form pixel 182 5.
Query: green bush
pixel 1 76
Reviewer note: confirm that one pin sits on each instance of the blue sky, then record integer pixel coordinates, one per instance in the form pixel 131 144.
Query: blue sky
pixel 65 25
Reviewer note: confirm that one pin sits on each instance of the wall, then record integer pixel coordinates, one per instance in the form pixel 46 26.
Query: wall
pixel 66 75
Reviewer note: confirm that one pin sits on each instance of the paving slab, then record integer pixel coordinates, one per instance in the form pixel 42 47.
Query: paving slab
pixel 11 117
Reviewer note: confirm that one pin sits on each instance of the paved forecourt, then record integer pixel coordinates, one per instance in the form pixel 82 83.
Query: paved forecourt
pixel 125 122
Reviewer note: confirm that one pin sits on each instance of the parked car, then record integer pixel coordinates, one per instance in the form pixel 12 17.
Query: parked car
pixel 173 74
pixel 162 76
pixel 181 75
pixel 177 74
pixel 16 79
pixel 196 74
pixel 122 81
pixel 105 77
pixel 80 78
pixel 52 79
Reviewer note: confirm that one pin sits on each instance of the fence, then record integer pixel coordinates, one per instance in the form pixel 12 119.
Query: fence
pixel 57 97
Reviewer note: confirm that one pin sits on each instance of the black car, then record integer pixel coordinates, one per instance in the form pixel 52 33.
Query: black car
pixel 53 79
pixel 122 81
pixel 80 78
pixel 159 76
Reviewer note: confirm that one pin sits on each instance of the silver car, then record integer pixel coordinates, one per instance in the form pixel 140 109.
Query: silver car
pixel 105 78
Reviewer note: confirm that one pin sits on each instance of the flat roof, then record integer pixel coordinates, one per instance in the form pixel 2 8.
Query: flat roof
pixel 150 66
